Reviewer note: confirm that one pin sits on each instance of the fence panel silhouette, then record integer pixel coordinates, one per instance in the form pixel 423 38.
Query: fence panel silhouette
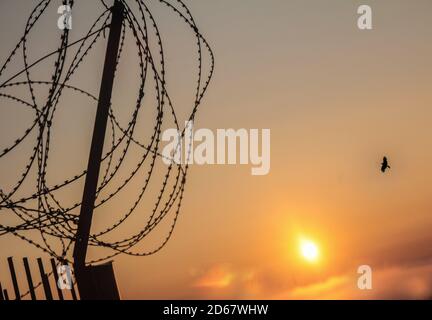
pixel 37 280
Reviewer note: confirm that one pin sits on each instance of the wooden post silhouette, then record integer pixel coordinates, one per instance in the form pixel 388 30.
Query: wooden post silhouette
pixel 83 273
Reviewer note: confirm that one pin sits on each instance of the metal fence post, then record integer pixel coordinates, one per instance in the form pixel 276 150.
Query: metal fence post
pixel 14 279
pixel 45 281
pixel 29 279
pixel 56 277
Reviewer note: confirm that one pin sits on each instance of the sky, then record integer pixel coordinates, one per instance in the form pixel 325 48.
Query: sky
pixel 337 99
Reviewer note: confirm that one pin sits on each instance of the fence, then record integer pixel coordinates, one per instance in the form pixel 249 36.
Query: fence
pixel 47 288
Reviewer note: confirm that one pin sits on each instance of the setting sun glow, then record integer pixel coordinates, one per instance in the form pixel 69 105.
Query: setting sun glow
pixel 309 250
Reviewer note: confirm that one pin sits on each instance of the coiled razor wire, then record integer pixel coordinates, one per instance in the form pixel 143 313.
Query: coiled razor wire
pixel 40 210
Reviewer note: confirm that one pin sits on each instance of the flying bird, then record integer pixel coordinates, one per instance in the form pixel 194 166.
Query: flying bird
pixel 384 165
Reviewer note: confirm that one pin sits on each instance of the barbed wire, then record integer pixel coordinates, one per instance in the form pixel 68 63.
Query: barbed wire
pixel 38 216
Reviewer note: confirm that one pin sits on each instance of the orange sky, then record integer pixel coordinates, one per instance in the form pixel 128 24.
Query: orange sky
pixel 336 100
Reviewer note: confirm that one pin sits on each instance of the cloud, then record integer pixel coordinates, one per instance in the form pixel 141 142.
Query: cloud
pixel 389 282
pixel 217 277
pixel 324 289
pixel 225 281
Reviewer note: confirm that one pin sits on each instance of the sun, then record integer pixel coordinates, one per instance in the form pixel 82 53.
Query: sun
pixel 309 250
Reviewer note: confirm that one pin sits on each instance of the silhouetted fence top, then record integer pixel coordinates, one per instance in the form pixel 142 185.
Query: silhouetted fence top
pixel 37 280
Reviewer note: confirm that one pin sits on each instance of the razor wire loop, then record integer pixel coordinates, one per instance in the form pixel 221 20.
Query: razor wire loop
pixel 41 211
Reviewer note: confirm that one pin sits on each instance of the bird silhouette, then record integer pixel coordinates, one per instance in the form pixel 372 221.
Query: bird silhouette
pixel 384 165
